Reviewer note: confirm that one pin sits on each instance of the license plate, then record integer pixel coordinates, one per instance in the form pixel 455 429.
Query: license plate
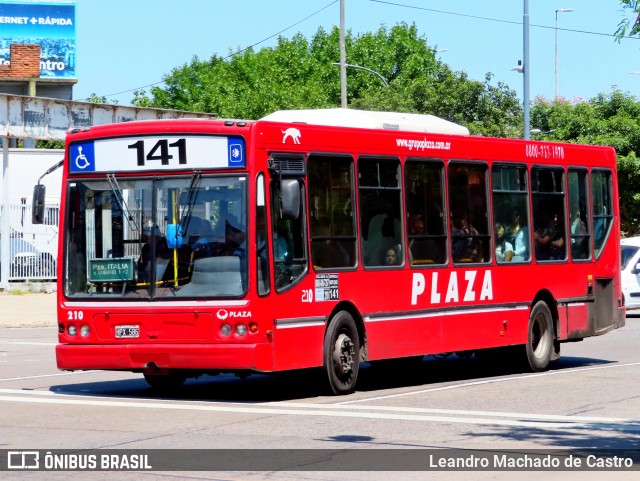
pixel 127 331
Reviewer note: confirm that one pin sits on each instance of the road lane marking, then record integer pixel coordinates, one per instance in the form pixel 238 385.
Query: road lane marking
pixel 313 406
pixel 363 412
pixel 67 373
pixel 11 342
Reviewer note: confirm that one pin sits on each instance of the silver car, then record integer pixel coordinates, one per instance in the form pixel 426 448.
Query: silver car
pixel 631 271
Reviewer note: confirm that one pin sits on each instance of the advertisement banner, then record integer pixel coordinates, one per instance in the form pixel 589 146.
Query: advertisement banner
pixel 52 25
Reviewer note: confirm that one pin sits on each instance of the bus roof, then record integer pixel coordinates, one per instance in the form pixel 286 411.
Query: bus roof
pixel 365 119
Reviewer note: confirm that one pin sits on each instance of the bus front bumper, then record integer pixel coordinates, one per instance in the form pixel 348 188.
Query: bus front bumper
pixel 138 357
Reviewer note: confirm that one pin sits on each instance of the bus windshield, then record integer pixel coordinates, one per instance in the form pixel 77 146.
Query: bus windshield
pixel 182 237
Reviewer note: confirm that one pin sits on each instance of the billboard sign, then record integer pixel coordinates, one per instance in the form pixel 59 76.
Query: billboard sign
pixel 52 25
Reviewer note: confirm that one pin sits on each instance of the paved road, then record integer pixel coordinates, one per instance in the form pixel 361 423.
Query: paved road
pixel 589 399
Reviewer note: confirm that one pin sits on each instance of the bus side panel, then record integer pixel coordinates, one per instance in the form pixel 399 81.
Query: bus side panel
pixel 297 347
pixel 575 323
pixel 447 331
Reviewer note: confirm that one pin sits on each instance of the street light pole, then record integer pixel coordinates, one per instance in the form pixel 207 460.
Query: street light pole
pixel 384 80
pixel 526 69
pixel 343 60
pixel 559 10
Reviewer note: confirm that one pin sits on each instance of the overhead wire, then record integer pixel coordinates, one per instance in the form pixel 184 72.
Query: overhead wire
pixel 512 22
pixel 234 53
pixel 395 4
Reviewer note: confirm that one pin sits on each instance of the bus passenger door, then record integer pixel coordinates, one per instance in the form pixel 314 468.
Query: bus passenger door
pixel 288 233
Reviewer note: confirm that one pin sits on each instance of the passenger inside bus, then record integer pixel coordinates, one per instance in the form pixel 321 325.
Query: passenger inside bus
pixel 465 245
pixel 383 232
pixel 518 237
pixel 579 239
pixel 421 249
pixel 392 257
pixel 504 249
pixel 548 238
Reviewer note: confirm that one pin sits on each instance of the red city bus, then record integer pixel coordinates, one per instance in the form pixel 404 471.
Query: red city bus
pixel 328 238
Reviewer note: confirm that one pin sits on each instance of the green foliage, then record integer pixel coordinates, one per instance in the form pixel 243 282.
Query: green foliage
pixel 612 119
pixel 49 144
pixel 299 74
pixel 96 99
pixel 140 99
pixel 625 27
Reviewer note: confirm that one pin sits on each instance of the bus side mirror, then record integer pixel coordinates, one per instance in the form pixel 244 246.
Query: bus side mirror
pixel 37 205
pixel 290 199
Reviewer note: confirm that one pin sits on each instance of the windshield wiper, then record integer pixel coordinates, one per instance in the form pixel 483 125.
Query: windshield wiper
pixel 117 192
pixel 191 198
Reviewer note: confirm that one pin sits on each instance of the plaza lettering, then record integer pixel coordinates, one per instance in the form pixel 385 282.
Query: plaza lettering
pixel 458 286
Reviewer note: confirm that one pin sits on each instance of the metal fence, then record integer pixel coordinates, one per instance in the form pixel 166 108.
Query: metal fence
pixel 33 249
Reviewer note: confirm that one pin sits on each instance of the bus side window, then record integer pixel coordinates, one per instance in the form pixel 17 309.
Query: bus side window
pixel 469 222
pixel 288 238
pixel 424 197
pixel 602 202
pixel 380 208
pixel 511 210
pixel 262 243
pixel 580 226
pixel 548 197
pixel 333 233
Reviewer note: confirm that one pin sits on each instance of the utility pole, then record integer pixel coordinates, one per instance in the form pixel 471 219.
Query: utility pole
pixel 343 60
pixel 527 70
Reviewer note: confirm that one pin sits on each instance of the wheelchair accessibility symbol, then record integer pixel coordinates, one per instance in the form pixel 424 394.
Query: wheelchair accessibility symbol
pixel 81 160
pixel 82 157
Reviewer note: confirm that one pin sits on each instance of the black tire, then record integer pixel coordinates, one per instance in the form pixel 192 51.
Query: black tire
pixel 165 382
pixel 540 339
pixel 341 353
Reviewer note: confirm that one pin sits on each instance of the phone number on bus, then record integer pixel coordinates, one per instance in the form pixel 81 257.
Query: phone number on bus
pixel 552 152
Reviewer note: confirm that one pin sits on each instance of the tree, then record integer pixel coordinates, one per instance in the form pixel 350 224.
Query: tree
pixel 300 73
pixel 625 26
pixel 612 119
pixel 97 99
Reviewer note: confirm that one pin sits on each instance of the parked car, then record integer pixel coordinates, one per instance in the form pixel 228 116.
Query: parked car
pixel 631 271
pixel 28 262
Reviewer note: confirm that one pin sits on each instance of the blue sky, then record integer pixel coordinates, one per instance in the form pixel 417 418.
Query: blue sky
pixel 125 45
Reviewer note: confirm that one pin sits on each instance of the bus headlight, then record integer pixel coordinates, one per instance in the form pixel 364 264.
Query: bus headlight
pixel 85 331
pixel 225 330
pixel 71 330
pixel 241 329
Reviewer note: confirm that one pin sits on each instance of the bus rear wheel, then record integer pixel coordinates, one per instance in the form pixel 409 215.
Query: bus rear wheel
pixel 341 353
pixel 540 342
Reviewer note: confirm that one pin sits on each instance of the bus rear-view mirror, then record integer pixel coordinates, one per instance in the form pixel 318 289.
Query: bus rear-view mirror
pixel 290 201
pixel 37 206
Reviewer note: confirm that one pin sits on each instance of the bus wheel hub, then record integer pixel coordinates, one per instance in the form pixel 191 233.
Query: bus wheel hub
pixel 343 354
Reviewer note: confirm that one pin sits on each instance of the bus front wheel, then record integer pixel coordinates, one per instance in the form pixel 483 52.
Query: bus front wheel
pixel 540 342
pixel 341 356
